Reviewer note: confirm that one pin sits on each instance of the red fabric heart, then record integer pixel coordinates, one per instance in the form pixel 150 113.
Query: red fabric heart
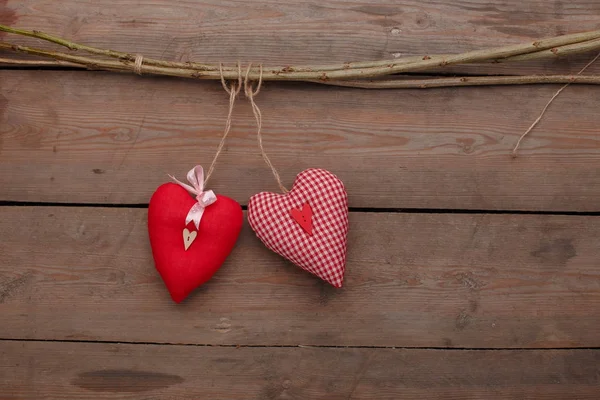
pixel 184 270
pixel 273 219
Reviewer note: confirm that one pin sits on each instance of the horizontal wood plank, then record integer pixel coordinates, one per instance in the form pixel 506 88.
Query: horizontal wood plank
pixel 416 280
pixel 305 32
pixel 33 370
pixel 82 137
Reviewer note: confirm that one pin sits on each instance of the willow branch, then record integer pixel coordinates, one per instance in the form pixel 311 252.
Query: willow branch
pixel 37 63
pixel 126 66
pixel 554 53
pixel 551 53
pixel 76 61
pixel 101 64
pixel 542 49
pixel 102 52
pixel 465 81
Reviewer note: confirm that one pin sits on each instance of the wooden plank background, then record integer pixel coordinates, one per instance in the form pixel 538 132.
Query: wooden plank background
pixel 125 371
pixel 445 149
pixel 470 274
pixel 417 280
pixel 289 31
pixel 78 137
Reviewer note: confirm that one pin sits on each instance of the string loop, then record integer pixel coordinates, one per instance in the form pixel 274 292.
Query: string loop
pixel 233 90
pixel 250 92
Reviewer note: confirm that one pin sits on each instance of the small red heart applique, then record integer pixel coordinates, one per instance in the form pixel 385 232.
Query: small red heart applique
pixel 303 217
pixel 308 225
pixel 186 256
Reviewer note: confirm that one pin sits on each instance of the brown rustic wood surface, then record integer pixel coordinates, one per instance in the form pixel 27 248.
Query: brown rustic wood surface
pixel 413 280
pixel 109 371
pixel 79 137
pixel 291 31
pixel 439 302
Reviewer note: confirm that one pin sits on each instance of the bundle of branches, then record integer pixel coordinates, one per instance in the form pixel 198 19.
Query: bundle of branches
pixel 367 74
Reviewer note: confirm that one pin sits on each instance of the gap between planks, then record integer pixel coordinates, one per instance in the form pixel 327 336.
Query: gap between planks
pixel 374 210
pixel 260 346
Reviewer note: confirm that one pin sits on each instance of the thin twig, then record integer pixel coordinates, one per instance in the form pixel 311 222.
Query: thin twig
pixel 125 65
pixel 37 63
pixel 538 119
pixel 86 63
pixel 101 52
pixel 464 81
pixel 358 70
pixel 551 53
pixel 556 52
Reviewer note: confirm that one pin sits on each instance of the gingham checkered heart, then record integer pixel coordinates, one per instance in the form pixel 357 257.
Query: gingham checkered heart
pixel 308 225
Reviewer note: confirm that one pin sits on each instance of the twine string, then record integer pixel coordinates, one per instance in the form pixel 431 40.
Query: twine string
pixel 137 65
pixel 233 90
pixel 250 93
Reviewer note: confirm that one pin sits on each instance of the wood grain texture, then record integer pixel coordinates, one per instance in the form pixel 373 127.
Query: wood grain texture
pixel 105 371
pixel 289 31
pixel 447 281
pixel 413 280
pixel 80 137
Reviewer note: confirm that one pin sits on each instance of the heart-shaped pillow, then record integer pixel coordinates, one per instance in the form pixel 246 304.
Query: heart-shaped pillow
pixel 186 256
pixel 308 225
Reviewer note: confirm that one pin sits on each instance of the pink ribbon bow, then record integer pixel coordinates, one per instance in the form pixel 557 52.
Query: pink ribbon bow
pixel 205 199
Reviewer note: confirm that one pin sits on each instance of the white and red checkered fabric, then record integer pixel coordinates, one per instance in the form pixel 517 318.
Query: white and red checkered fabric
pixel 323 252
